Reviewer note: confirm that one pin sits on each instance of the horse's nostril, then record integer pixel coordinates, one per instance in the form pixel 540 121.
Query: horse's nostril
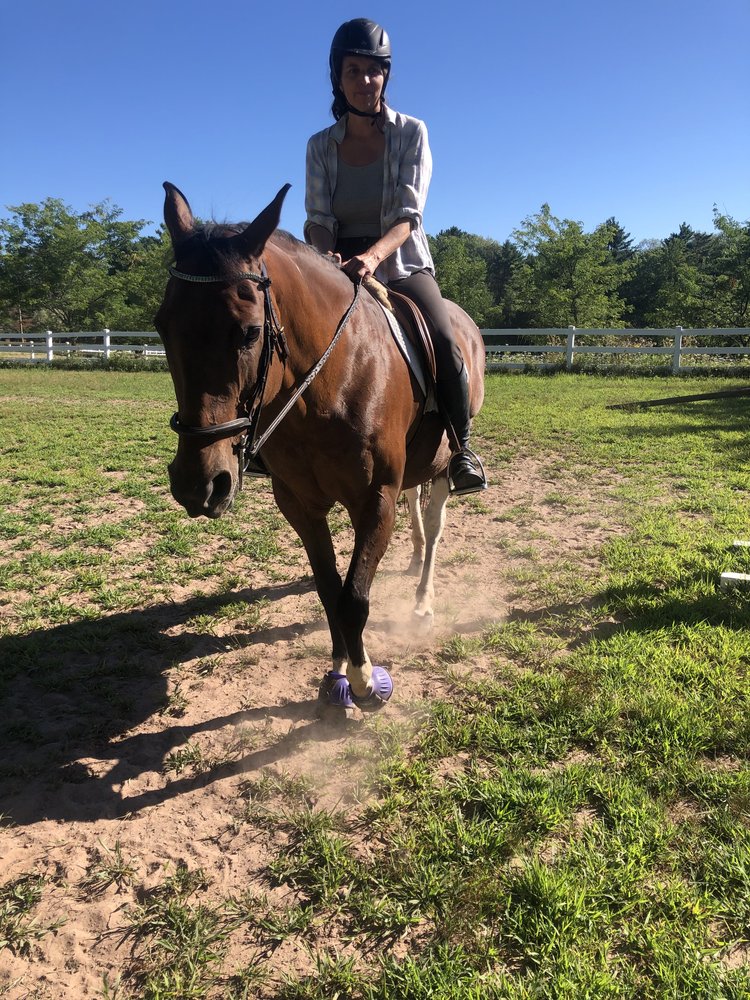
pixel 221 488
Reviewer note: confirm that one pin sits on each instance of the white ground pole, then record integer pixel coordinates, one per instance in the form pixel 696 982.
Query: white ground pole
pixel 736 579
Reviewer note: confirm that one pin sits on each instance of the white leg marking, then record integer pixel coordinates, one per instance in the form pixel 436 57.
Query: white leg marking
pixel 360 678
pixel 413 497
pixel 434 524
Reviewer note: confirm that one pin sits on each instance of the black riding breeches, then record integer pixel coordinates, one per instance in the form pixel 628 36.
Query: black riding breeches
pixel 422 288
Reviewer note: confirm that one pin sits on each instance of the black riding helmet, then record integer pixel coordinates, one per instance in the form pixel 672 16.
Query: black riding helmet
pixel 359 37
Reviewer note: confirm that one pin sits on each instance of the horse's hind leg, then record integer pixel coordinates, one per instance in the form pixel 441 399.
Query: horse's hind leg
pixel 413 499
pixel 434 522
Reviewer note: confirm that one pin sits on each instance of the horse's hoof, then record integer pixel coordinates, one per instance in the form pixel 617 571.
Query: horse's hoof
pixel 424 619
pixel 382 689
pixel 335 691
pixel 335 699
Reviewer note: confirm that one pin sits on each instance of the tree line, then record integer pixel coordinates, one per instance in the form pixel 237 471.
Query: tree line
pixel 68 271
pixel 553 274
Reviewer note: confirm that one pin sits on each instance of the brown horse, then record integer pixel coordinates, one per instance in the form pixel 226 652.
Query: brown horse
pixel 356 434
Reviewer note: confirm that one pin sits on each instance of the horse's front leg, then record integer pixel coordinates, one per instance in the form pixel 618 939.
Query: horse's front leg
pixel 434 522
pixel 312 528
pixel 373 525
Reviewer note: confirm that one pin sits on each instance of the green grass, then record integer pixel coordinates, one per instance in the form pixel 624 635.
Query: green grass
pixel 19 926
pixel 83 470
pixel 572 823
pixel 185 938
pixel 109 867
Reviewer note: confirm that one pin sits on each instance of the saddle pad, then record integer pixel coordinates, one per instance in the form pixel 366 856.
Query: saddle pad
pixel 412 357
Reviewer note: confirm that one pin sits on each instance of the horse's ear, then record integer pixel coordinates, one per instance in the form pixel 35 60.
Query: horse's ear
pixel 178 218
pixel 250 241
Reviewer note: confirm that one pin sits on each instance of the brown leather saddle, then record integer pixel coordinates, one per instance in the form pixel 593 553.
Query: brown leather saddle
pixel 416 329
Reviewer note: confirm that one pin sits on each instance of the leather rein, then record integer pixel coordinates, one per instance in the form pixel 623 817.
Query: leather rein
pixel 274 341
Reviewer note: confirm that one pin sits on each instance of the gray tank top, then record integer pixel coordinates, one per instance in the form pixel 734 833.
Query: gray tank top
pixel 358 199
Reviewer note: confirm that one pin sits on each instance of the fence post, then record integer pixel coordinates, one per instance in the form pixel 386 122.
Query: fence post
pixel 106 341
pixel 677 350
pixel 50 346
pixel 569 347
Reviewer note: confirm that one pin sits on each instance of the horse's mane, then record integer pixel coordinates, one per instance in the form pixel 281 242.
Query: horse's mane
pixel 293 245
pixel 210 246
pixel 377 289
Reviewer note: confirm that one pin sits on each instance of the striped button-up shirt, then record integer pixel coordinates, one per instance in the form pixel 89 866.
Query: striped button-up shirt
pixel 407 168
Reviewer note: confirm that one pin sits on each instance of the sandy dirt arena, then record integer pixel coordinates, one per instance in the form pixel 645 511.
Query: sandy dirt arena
pixel 171 786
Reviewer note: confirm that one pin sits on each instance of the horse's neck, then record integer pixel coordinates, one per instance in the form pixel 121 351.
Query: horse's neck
pixel 313 298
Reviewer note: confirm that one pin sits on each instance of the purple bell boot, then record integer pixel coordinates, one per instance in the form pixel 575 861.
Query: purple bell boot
pixel 337 692
pixel 382 689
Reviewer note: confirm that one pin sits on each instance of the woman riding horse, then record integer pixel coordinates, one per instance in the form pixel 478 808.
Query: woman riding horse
pixel 275 356
pixel 273 352
pixel 367 181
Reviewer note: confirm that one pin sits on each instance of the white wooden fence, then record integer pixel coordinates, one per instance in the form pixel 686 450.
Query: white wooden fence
pixel 572 345
pixel 504 349
pixel 34 347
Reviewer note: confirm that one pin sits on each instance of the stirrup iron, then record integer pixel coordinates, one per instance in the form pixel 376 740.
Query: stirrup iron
pixel 477 487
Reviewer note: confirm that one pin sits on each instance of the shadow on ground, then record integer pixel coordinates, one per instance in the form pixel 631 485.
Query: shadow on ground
pixel 72 693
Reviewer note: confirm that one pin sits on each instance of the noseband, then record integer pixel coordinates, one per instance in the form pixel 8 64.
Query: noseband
pixel 273 341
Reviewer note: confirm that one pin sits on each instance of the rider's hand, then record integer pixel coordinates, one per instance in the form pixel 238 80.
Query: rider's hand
pixel 360 267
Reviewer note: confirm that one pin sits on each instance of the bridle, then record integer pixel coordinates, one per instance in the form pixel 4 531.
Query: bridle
pixel 274 341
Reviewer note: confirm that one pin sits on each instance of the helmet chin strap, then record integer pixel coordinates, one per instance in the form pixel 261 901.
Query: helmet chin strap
pixel 373 115
pixel 362 114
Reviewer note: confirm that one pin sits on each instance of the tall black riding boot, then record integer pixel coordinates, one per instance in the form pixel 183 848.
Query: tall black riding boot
pixel 465 470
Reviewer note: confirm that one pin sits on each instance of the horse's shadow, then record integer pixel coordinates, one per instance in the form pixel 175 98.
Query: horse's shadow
pixel 71 694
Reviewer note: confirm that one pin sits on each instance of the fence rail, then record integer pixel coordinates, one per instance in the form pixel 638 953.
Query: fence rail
pixel 36 347
pixel 572 343
pixel 564 347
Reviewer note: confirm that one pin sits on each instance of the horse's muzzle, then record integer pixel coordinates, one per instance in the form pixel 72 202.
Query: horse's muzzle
pixel 202 497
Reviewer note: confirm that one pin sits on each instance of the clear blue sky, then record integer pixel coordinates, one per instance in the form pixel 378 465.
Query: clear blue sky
pixel 638 109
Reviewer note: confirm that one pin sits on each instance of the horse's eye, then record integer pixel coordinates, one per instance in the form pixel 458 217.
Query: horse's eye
pixel 249 335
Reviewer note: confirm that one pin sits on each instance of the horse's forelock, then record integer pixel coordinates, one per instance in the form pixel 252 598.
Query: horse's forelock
pixel 210 249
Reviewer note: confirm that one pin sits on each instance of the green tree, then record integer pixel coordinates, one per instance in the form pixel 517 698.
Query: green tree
pixel 461 273
pixel 67 271
pixel 732 270
pixel 639 290
pixel 569 277
pixel 672 284
pixel 140 289
pixel 507 311
pixel 493 306
pixel 501 261
pixel 620 243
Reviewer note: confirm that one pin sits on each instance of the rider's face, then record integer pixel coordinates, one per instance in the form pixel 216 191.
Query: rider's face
pixel 362 81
